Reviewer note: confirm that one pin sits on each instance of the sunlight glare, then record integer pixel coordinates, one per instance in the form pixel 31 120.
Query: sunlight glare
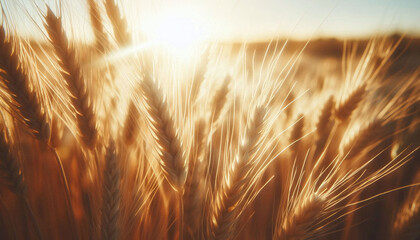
pixel 177 31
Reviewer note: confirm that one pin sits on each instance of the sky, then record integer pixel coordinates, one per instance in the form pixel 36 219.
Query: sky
pixel 244 19
pixel 308 18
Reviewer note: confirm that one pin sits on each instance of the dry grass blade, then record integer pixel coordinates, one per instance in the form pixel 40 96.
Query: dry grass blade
pixel 73 76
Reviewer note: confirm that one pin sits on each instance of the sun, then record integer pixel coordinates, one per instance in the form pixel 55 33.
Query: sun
pixel 177 31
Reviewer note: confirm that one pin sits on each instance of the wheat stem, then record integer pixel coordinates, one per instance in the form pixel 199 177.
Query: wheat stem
pixel 32 215
pixel 70 209
pixel 181 216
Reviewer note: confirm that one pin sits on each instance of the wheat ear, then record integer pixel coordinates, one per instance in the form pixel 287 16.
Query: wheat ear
pixel 111 195
pixel 324 120
pixel 131 124
pixel 345 109
pixel 298 224
pixel 119 24
pixel 324 126
pixel 168 146
pixel 101 38
pixel 192 184
pixel 17 82
pixel 364 139
pixel 219 99
pixel 71 72
pixel 297 134
pixel 162 127
pixel 10 166
pixel 407 218
pixel 232 198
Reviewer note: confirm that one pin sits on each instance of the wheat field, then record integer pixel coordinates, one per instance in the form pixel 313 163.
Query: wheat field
pixel 100 140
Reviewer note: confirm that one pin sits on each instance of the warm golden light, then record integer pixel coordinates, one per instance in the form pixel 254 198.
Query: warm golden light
pixel 197 119
pixel 177 31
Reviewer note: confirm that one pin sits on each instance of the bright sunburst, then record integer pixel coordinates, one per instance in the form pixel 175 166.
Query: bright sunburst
pixel 178 31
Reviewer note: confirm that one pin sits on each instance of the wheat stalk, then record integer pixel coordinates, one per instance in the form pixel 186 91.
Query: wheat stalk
pixel 28 105
pixel 299 224
pixel 161 125
pixel 118 22
pixel 231 199
pixel 10 166
pixel 101 38
pixel 131 124
pixel 219 99
pixel 192 197
pixel 346 108
pixel 324 120
pixel 73 76
pixel 168 145
pixel 408 215
pixel 111 195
